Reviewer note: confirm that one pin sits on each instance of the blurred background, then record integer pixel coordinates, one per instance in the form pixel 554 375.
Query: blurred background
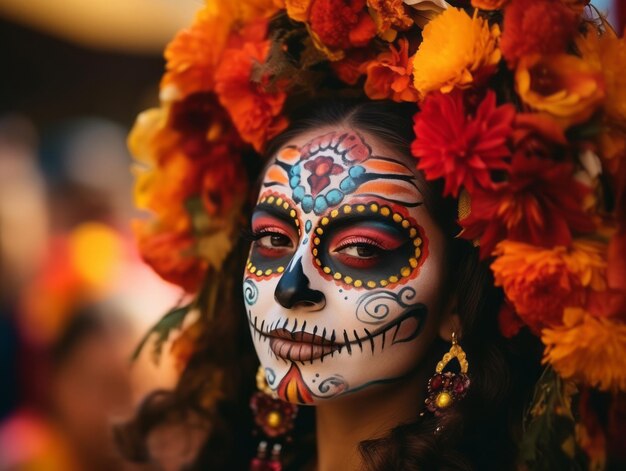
pixel 75 298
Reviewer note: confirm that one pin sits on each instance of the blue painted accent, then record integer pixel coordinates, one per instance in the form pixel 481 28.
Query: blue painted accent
pixel 347 185
pixel 334 197
pixel 320 204
pixel 294 181
pixel 356 171
pixel 305 241
pixel 307 203
pixel 307 226
pixel 298 194
pixel 296 169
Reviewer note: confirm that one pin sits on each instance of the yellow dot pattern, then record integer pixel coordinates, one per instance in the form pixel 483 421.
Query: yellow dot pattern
pixel 404 272
pixel 293 214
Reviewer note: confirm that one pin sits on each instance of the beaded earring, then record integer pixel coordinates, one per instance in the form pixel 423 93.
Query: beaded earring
pixel 274 420
pixel 444 389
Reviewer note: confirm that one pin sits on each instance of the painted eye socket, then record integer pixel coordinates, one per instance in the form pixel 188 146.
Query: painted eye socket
pixel 272 242
pixel 365 250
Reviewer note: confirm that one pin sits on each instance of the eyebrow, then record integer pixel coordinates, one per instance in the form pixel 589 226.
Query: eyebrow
pixel 273 210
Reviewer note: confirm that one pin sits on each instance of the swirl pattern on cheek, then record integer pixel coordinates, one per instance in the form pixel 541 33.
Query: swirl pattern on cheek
pixel 250 292
pixel 374 308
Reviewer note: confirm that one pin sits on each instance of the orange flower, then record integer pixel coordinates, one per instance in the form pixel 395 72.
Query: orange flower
pixel 253 108
pixel 389 75
pixel 390 17
pixel 540 282
pixel 186 344
pixel 352 66
pixel 172 255
pixel 193 55
pixel 565 86
pixel 606 53
pixel 457 51
pixel 588 349
pixel 489 4
pixel 297 10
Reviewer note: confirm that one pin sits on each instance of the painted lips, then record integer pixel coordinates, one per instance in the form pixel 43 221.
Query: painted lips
pixel 300 346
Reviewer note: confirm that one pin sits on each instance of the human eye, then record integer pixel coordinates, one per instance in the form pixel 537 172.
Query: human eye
pixel 364 247
pixel 272 237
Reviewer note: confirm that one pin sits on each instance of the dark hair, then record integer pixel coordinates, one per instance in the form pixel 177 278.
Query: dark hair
pixel 478 433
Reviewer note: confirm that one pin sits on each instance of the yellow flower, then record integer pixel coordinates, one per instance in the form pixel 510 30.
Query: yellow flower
pixel 297 10
pixel 607 54
pixel 390 17
pixel 457 51
pixel 588 349
pixel 562 85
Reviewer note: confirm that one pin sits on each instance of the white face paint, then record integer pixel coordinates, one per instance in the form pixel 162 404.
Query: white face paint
pixel 343 283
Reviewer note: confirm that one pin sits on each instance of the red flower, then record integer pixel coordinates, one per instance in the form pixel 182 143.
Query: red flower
pixel 173 256
pixel 460 148
pixel 321 169
pixel 540 204
pixel 341 24
pixel 536 26
pixel 509 322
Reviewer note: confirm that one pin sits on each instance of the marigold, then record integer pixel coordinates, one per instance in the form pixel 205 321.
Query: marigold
pixel 460 148
pixel 389 75
pixel 565 86
pixel 588 349
pixel 541 282
pixel 172 255
pixel 539 204
pixel 297 10
pixel 340 24
pixel 457 51
pixel 536 27
pixel 255 112
pixel 607 54
pixel 193 54
pixel 489 4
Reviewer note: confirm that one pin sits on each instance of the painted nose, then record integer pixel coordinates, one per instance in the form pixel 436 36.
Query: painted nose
pixel 294 291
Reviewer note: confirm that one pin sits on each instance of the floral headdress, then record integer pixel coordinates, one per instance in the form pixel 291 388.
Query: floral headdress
pixel 520 109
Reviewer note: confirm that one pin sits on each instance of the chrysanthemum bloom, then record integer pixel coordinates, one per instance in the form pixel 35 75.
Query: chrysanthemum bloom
pixel 539 204
pixel 489 4
pixel 536 27
pixel 541 282
pixel 254 110
pixel 565 86
pixel 460 148
pixel 389 75
pixel 607 54
pixel 340 24
pixel 352 67
pixel 457 51
pixel 588 349
pixel 390 17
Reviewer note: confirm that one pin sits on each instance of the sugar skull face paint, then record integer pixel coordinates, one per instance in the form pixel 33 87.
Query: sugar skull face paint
pixel 343 282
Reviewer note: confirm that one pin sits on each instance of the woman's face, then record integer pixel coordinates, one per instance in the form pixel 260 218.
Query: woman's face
pixel 344 279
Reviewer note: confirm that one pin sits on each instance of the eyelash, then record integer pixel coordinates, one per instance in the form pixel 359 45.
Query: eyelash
pixel 359 240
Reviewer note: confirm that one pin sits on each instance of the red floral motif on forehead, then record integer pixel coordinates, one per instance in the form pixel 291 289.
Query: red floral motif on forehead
pixel 350 145
pixel 321 168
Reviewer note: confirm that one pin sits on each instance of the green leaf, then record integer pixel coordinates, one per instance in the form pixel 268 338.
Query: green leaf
pixel 548 441
pixel 169 322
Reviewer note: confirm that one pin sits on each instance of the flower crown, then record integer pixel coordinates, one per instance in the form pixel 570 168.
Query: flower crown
pixel 520 109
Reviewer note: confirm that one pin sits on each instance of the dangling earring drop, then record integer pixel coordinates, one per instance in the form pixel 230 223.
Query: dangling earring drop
pixel 274 420
pixel 444 389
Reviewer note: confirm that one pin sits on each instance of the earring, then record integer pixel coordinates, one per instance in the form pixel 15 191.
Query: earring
pixel 446 388
pixel 274 420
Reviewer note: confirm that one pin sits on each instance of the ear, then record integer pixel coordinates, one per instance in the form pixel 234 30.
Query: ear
pixel 450 322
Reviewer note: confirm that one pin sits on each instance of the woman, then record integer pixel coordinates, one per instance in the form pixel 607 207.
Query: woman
pixel 364 292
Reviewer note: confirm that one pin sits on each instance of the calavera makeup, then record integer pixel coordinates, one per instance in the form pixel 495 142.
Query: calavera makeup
pixel 343 281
